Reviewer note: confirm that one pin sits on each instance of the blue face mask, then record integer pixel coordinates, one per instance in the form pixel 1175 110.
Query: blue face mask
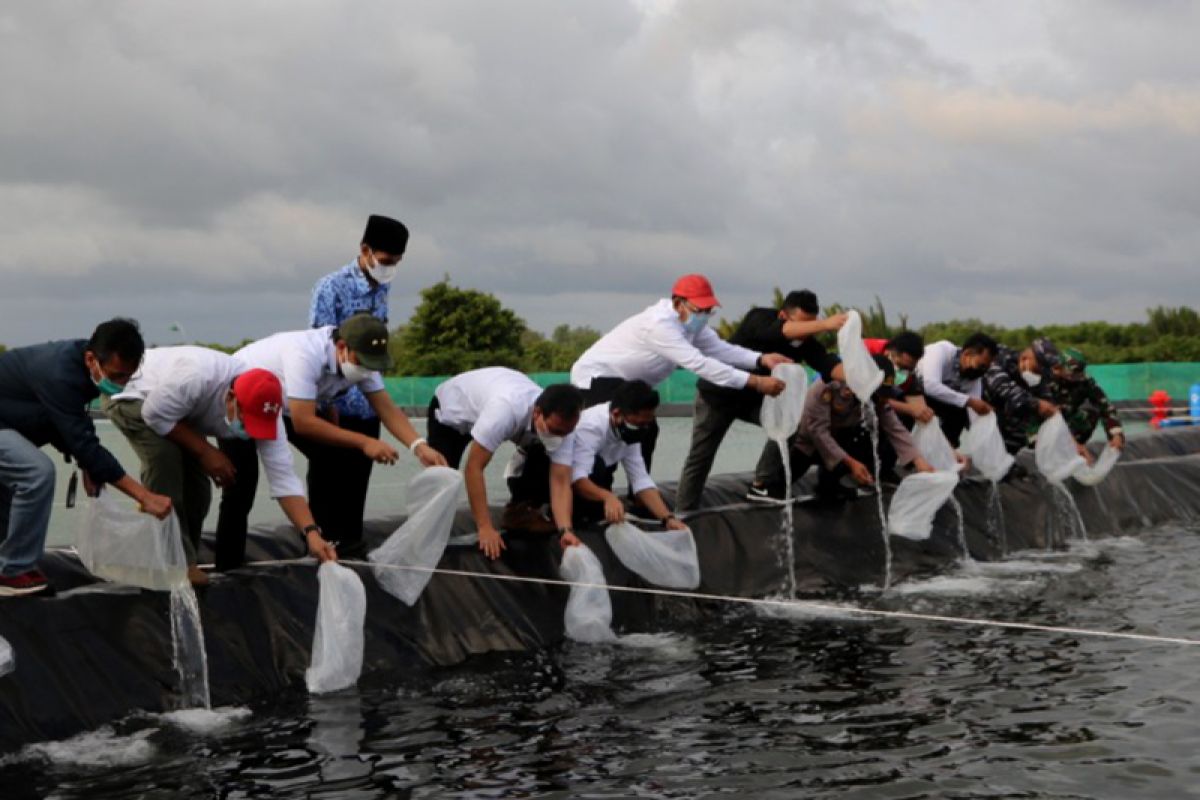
pixel 236 427
pixel 697 321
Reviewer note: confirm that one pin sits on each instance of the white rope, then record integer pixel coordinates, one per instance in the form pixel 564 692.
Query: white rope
pixel 804 605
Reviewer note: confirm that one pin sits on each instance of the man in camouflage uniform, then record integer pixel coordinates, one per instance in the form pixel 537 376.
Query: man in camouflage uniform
pixel 1014 386
pixel 1082 401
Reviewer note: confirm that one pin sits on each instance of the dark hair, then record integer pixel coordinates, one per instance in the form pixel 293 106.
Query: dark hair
pixel 804 300
pixel 633 396
pixel 909 343
pixel 562 399
pixel 119 337
pixel 981 341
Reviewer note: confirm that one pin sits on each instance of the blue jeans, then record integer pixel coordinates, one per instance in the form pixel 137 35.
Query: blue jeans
pixel 26 497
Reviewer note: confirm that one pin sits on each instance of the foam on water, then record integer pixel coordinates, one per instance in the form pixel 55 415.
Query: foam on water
pixel 1019 567
pixel 206 720
pixel 952 586
pixel 803 613
pixel 99 748
pixel 660 645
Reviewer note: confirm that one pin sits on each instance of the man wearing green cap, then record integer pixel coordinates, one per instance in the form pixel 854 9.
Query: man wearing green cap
pixel 316 367
pixel 1083 402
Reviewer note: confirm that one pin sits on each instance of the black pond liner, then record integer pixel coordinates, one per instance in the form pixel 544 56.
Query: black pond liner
pixel 98 651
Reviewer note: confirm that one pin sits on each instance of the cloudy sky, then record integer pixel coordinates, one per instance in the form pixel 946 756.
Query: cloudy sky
pixel 206 162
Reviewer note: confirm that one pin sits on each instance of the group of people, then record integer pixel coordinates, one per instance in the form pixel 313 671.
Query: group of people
pixel 196 417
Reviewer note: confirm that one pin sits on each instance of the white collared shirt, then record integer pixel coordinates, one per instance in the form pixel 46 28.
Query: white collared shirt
pixel 188 384
pixel 595 436
pixel 938 365
pixel 649 346
pixel 306 364
pixel 494 405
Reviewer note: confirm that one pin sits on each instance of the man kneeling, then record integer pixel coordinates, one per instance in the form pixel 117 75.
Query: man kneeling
pixel 608 435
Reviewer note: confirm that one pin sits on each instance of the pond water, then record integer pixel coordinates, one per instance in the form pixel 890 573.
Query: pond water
pixel 764 705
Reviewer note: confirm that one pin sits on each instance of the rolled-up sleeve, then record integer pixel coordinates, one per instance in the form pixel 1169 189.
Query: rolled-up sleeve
pixel 931 369
pixel 635 469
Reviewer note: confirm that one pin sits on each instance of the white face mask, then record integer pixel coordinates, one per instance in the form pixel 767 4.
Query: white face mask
pixel 381 273
pixel 1031 378
pixel 355 373
pixel 548 440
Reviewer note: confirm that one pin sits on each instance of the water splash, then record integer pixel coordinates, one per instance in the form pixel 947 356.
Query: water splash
pixel 187 645
pixel 787 524
pixel 1066 511
pixel 996 530
pixel 962 531
pixel 870 421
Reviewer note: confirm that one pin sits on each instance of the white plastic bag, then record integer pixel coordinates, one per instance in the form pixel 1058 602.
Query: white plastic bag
pixel 433 497
pixel 1055 452
pixel 863 375
pixel 588 617
pixel 8 659
pixel 121 544
pixel 337 650
pixel 934 446
pixel 916 501
pixel 984 445
pixel 780 415
pixel 1090 476
pixel 663 558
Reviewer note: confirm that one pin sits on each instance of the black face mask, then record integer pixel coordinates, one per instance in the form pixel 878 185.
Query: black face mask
pixel 631 435
pixel 973 372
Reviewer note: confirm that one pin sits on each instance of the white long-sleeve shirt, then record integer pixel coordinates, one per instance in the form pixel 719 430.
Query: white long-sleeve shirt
pixel 188 385
pixel 938 367
pixel 650 345
pixel 594 436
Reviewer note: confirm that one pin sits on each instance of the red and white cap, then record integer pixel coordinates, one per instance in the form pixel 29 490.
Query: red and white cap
pixel 259 396
pixel 696 290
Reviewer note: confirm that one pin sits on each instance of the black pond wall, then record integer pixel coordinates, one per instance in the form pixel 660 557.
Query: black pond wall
pixel 99 651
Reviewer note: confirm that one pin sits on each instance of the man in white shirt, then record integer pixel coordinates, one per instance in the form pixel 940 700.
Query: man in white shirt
pixel 951 378
pixel 178 398
pixel 608 435
pixel 484 408
pixel 670 334
pixel 317 366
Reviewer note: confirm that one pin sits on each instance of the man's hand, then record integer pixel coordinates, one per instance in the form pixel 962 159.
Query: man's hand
pixel 490 542
pixel 859 471
pixel 89 486
pixel 773 360
pixel 217 466
pixel 429 457
pixel 614 509
pixel 1117 441
pixel 380 452
pixel 980 407
pixel 766 385
pixel 568 539
pixel 320 549
pixel 675 524
pixel 1046 409
pixel 156 505
pixel 921 465
pixel 1087 454
pixel 836 322
pixel 922 413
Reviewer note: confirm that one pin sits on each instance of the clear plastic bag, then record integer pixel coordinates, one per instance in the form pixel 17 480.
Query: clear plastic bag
pixel 934 446
pixel 8 659
pixel 433 497
pixel 781 414
pixel 588 617
pixel 916 501
pixel 121 544
pixel 663 558
pixel 863 375
pixel 1055 452
pixel 337 650
pixel 1092 475
pixel 984 445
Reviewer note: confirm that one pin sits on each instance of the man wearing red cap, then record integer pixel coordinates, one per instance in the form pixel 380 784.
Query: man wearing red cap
pixel 673 333
pixel 181 396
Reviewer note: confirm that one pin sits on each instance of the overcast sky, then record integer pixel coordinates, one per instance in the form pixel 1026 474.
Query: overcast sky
pixel 206 162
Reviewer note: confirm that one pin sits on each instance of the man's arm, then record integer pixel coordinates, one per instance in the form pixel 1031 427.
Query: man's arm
pixel 932 368
pixel 215 464
pixel 399 425
pixel 295 507
pixel 309 424
pixel 799 330
pixel 478 458
pixel 560 502
pixel 652 499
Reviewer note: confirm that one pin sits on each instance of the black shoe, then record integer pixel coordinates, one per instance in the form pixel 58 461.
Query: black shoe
pixel 764 494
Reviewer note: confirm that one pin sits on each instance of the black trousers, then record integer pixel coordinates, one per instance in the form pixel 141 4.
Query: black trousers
pixel 338 478
pixel 600 391
pixel 586 511
pixel 952 418
pixel 531 486
pixel 857 444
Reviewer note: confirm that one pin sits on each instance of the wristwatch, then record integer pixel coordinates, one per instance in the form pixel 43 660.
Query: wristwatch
pixel 565 530
pixel 667 519
pixel 310 529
